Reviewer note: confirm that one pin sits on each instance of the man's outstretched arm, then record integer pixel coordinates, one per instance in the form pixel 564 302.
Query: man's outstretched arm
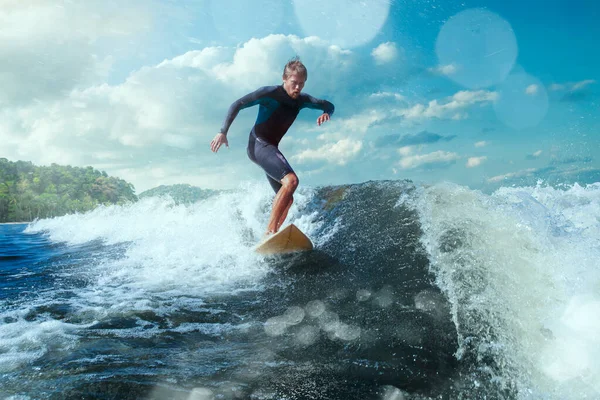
pixel 318 104
pixel 248 100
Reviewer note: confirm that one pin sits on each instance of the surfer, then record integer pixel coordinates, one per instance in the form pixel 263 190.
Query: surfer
pixel 279 106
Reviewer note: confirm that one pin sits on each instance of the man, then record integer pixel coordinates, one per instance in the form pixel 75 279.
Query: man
pixel 279 106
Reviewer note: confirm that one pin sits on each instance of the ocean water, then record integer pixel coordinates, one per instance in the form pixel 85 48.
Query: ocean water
pixel 413 292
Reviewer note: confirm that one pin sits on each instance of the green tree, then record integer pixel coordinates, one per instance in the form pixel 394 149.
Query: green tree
pixel 28 191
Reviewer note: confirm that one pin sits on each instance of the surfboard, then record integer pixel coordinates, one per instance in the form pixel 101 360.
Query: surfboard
pixel 287 240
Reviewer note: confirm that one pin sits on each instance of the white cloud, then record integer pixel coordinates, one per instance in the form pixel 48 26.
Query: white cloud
pixel 454 108
pixel 582 84
pixel 482 143
pixel 451 108
pixel 475 161
pixel 384 95
pixel 179 141
pixel 436 157
pixel 385 53
pixel 460 116
pixel 169 111
pixel 339 153
pixel 362 122
pixel 532 89
pixel 471 97
pixel 518 174
pixel 447 70
pixel 43 21
pixel 572 86
pixel 55 48
pixel 405 151
pixel 260 60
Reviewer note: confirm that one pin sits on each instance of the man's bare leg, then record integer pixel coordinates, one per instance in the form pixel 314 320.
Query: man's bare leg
pixel 284 215
pixel 282 202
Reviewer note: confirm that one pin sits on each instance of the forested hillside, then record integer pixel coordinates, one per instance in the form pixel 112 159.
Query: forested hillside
pixel 28 191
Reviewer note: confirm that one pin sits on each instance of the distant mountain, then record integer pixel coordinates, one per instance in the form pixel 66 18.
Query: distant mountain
pixel 181 193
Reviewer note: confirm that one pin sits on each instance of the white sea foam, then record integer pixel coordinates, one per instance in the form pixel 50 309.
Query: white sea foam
pixel 157 257
pixel 520 268
pixel 24 341
pixel 201 248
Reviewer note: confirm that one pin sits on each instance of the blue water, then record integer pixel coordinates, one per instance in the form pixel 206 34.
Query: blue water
pixel 23 259
pixel 412 293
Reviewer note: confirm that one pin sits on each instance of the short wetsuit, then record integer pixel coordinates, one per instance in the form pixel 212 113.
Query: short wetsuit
pixel 276 114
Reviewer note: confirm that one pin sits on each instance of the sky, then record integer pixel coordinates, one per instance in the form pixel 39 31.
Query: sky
pixel 482 93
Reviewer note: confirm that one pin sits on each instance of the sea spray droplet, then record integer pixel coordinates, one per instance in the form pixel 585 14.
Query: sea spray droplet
pixel 425 300
pixel 392 393
pixel 522 101
pixel 385 297
pixel 231 390
pixel 315 308
pixel 347 332
pixel 476 48
pixel 263 394
pixel 293 315
pixel 201 394
pixel 334 20
pixel 275 326
pixel 230 17
pixel 432 303
pixel 307 335
pixel 339 294
pixel 329 321
pixel 363 295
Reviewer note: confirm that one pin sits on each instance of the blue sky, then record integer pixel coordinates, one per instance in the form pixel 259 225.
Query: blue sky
pixel 481 93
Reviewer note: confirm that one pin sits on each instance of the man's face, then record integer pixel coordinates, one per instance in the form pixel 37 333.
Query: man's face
pixel 293 84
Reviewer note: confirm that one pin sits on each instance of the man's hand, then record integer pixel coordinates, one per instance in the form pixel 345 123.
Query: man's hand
pixel 324 117
pixel 219 140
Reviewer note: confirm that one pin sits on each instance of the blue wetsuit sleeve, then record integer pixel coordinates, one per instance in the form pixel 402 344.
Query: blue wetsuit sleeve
pixel 248 100
pixel 318 104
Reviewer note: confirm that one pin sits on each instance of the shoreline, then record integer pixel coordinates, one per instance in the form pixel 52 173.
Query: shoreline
pixel 15 223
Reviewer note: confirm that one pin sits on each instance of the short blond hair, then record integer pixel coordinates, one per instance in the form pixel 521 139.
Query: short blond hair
pixel 295 65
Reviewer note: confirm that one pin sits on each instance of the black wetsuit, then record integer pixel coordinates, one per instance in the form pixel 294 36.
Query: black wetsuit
pixel 276 114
